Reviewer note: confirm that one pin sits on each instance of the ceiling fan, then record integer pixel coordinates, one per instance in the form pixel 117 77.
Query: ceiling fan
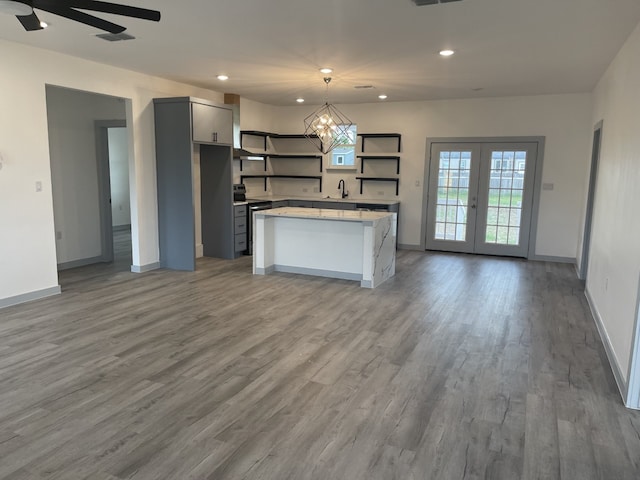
pixel 23 10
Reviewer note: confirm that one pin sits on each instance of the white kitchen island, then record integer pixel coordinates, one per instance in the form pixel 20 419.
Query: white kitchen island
pixel 346 244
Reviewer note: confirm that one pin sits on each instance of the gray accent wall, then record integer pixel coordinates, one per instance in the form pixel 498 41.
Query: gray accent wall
pixel 174 167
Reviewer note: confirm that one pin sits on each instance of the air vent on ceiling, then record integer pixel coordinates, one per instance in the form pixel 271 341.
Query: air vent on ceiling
pixel 432 2
pixel 115 37
pixel 363 86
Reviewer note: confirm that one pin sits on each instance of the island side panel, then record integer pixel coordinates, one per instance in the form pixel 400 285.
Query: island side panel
pixel 318 247
pixel 384 255
pixel 263 244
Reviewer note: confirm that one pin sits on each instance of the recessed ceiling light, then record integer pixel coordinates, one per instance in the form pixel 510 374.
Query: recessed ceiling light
pixel 44 24
pixel 223 77
pixel 326 70
pixel 446 53
pixel 300 100
pixel 382 97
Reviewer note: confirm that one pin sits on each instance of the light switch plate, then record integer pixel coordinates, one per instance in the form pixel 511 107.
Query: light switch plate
pixel 547 186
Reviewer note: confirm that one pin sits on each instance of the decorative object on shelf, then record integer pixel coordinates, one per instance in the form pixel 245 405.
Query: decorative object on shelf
pixel 72 9
pixel 327 123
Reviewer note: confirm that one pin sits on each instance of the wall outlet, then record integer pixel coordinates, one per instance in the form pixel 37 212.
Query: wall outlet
pixel 606 284
pixel 38 186
pixel 380 192
pixel 417 183
pixel 305 190
pixel 315 190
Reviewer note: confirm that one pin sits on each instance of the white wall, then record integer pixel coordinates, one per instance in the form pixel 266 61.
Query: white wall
pixel 562 119
pixel 614 257
pixel 119 176
pixel 71 118
pixel 27 242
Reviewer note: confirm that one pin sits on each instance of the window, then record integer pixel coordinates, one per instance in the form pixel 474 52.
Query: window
pixel 344 155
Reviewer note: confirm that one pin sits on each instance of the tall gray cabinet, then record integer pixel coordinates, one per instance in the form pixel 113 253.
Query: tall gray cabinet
pixel 186 129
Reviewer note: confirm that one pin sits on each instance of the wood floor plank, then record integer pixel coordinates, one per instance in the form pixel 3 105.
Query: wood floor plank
pixel 460 366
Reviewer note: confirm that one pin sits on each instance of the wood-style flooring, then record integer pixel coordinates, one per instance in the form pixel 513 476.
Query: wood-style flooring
pixel 460 367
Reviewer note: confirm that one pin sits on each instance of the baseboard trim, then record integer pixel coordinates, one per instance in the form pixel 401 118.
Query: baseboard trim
pixel 29 297
pixel 145 268
pixel 265 271
pixel 79 263
pixel 551 258
pixel 606 341
pixel 316 272
pixel 406 246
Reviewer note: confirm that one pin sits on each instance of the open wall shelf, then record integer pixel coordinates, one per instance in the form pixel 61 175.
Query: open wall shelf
pixel 364 137
pixel 378 157
pixel 299 177
pixel 276 156
pixel 255 133
pixel 302 157
pixel 266 135
pixel 379 179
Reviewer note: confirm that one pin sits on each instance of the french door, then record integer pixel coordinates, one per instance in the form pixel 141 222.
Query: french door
pixel 480 197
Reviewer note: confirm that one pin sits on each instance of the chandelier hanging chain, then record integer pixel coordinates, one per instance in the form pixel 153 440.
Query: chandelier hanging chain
pixel 327 80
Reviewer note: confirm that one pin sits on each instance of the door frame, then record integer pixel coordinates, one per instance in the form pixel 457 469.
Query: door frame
pixel 104 184
pixel 591 198
pixel 537 182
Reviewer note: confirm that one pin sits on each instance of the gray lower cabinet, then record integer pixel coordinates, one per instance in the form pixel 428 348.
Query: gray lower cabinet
pixel 240 229
pixel 175 172
pixel 301 203
pixel 335 205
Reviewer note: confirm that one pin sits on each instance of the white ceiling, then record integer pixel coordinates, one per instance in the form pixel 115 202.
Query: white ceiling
pixel 272 49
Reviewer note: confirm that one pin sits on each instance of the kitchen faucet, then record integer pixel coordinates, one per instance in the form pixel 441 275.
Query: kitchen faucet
pixel 341 185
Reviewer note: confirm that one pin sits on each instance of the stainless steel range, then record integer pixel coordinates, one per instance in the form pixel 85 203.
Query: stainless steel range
pixel 254 206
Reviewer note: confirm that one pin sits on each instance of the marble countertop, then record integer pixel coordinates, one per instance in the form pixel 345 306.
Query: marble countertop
pixel 324 214
pixel 276 198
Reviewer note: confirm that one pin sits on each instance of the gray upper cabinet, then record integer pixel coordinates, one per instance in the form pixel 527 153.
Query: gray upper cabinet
pixel 211 124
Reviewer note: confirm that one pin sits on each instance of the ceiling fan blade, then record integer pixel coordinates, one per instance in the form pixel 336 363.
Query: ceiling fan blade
pixel 80 17
pixel 29 22
pixel 104 7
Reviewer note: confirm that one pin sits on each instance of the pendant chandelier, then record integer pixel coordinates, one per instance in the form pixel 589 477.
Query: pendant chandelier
pixel 328 124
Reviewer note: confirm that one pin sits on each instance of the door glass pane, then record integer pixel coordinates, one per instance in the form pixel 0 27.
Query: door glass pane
pixel 453 194
pixel 506 186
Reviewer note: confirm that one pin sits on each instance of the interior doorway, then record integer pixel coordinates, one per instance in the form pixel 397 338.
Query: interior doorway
pixel 481 197
pixel 85 129
pixel 112 145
